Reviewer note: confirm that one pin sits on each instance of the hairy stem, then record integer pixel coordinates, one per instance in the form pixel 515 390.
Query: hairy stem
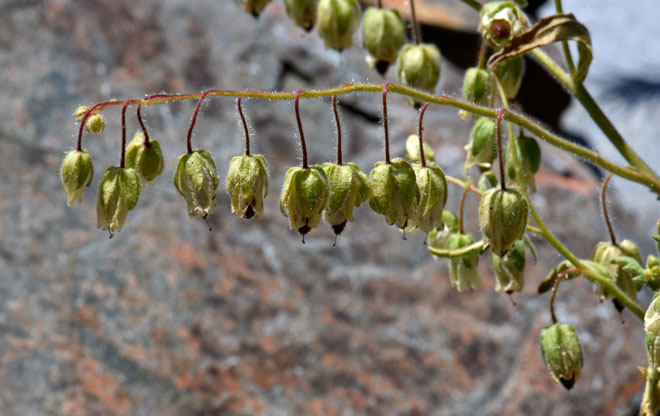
pixel 334 108
pixel 144 128
pixel 422 156
pixel 607 217
pixel 385 125
pixel 245 126
pixel 300 129
pixel 415 24
pixel 500 154
pixel 193 121
pixel 122 157
pixel 564 44
pixel 461 229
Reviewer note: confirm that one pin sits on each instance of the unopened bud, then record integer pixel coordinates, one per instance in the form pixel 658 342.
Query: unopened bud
pixel 412 148
pixel 255 6
pixel 95 123
pixel 432 188
pixel 383 34
pixel 394 191
pixel 562 353
pixel 336 22
pixel 302 12
pixel 145 158
pixel 119 190
pixel 304 196
pixel 605 254
pixel 510 74
pixel 510 269
pixel 418 66
pixel 196 179
pixel 482 149
pixel 76 172
pixel 247 184
pixel 503 214
pixel 349 188
pixel 529 156
pixel 80 112
pixel 463 270
pixel 476 86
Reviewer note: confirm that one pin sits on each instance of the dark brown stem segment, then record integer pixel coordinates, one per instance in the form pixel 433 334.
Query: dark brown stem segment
pixel 300 129
pixel 413 17
pixel 499 148
pixel 122 158
pixel 422 157
pixel 193 121
pixel 334 107
pixel 385 125
pixel 379 4
pixel 560 277
pixel 607 217
pixel 144 128
pixel 245 127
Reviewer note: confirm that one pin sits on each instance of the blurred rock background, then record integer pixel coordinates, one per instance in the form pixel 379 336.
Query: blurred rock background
pixel 167 318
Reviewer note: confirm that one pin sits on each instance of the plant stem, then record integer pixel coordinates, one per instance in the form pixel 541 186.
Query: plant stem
pixel 462 209
pixel 560 277
pixel 564 44
pixel 334 108
pixel 122 157
pixel 144 128
pixel 477 246
pixel 422 156
pixel 387 133
pixel 413 17
pixel 193 121
pixel 379 4
pixel 607 217
pixel 649 180
pixel 300 129
pixel 245 126
pixel 473 3
pixel 500 154
pixel 597 115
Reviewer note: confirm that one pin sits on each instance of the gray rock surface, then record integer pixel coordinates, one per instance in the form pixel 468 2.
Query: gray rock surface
pixel 167 318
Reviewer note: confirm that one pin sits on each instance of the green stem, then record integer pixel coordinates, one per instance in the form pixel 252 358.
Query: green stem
pixel 473 3
pixel 550 237
pixel 597 115
pixel 564 44
pixel 478 246
pixel 649 180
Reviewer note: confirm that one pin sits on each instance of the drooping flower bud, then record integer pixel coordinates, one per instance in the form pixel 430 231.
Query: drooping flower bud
pixel 247 184
pixel 336 22
pixel 412 148
pixel 476 86
pixel 383 34
pixel 652 316
pixel 304 196
pixel 95 123
pixel 77 172
pixel 606 253
pixel 80 112
pixel 118 193
pixel 349 188
pixel 145 158
pixel 463 270
pixel 302 12
pixel 432 189
pixel 196 179
pixel 651 273
pixel 562 353
pixel 501 21
pixel 394 191
pixel 482 149
pixel 510 74
pixel 503 215
pixel 418 66
pixel 529 156
pixel 510 269
pixel 255 6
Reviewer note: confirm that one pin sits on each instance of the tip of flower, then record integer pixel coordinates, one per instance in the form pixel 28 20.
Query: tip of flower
pixel 382 67
pixel 568 384
pixel 338 228
pixel 304 230
pixel 249 212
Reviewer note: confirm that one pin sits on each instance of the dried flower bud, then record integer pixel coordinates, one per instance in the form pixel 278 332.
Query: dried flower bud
pixel 463 273
pixel 336 22
pixel 145 158
pixel 412 147
pixel 77 172
pixel 562 353
pixel 349 188
pixel 432 187
pixel 302 12
pixel 80 112
pixel 418 66
pixel 394 191
pixel 482 149
pixel 510 74
pixel 95 123
pixel 196 179
pixel 304 196
pixel 501 21
pixel 476 86
pixel 503 214
pixel 606 253
pixel 247 184
pixel 383 34
pixel 510 269
pixel 118 193
pixel 529 156
pixel 255 6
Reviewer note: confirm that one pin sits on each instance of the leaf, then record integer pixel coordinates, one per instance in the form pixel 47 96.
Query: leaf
pixel 550 29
